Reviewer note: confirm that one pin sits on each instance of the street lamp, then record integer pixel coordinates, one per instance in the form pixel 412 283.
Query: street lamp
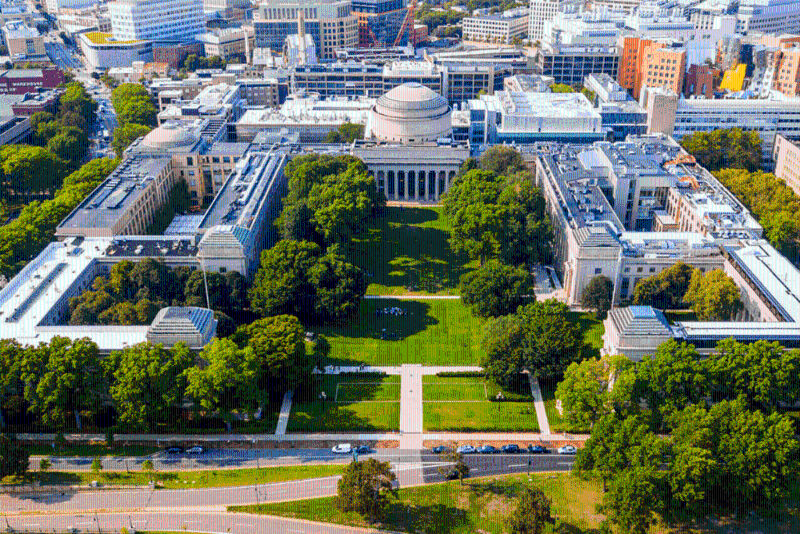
pixel 499 398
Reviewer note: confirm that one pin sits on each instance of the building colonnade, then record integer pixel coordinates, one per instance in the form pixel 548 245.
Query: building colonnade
pixel 413 184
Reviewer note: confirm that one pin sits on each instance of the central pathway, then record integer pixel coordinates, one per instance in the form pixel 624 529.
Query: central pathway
pixel 411 407
pixel 538 404
pixel 286 410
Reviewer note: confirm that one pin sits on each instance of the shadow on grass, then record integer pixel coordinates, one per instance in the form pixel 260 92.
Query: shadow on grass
pixel 399 253
pixel 327 416
pixel 428 518
pixel 592 329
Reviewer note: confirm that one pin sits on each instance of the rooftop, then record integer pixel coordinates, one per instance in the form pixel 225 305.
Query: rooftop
pixel 102 38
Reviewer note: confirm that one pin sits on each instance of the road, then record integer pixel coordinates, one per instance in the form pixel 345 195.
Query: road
pixel 408 474
pixel 62 56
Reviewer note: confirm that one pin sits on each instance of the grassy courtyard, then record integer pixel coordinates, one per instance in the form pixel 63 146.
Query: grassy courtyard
pixel 593 331
pixel 406 252
pixel 354 403
pixel 480 505
pixel 463 404
pixel 432 332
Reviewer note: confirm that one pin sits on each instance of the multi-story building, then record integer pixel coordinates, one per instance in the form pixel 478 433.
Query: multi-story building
pixel 331 23
pixel 571 64
pixel 645 62
pixel 768 16
pixel 766 116
pixel 620 113
pixel 584 28
pixel 506 27
pixel 15 11
pixel 56 6
pixel 787 161
pixel 360 79
pixel 221 103
pixel 540 11
pixel 21 81
pixel 156 20
pixel 174 53
pixel 229 43
pixel 699 81
pixel 228 9
pixel 380 21
pixel 626 6
pixel 103 52
pixel 787 79
pixel 23 42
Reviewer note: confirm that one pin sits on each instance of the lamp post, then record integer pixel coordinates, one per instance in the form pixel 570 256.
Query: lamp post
pixel 499 398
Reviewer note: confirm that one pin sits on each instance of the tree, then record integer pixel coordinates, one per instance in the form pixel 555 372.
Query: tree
pixel 632 500
pixel 502 160
pixel 14 459
pixel 128 91
pixel 470 204
pixel 148 382
pixel 454 462
pixel 97 466
pixel 63 381
pixel 68 147
pixel 665 290
pixel 713 295
pixel 364 488
pixel 561 88
pixel 278 345
pixel 338 286
pixel 531 514
pixel 527 234
pixel 137 110
pixel 148 467
pixel 127 134
pixel 584 391
pixel 281 283
pixel 496 289
pixel 44 465
pixel 539 338
pixel 597 295
pixel 31 169
pixel 237 291
pixel 728 148
pixel 347 133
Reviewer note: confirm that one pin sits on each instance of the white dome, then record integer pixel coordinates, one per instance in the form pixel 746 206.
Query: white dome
pixel 410 113
pixel 169 135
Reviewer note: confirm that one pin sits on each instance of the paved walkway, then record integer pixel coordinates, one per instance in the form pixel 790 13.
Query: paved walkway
pixel 538 403
pixel 286 409
pixel 411 407
pixel 390 370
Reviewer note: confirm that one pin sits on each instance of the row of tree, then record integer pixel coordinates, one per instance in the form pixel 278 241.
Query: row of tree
pixel 65 382
pixel 133 293
pixel 28 234
pixel 763 375
pixel 730 148
pixel 136 114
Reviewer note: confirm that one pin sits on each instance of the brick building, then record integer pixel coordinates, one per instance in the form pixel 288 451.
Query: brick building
pixel 21 81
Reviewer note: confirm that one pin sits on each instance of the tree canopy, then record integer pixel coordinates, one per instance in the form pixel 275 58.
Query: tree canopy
pixel 713 296
pixel 364 488
pixel 725 149
pixel 346 133
pixel 133 104
pixel 665 290
pixel 597 295
pixel 496 289
pixel 127 134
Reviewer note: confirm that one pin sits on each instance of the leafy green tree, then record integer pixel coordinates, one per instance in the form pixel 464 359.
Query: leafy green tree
pixel 454 461
pixel 195 290
pixel 532 513
pixel 539 338
pixel 76 100
pixel 68 147
pixel 342 205
pixel 278 344
pixel 527 234
pixel 281 284
pixel 128 91
pixel 338 286
pixel 561 88
pixel 496 289
pixel 137 110
pixel 665 290
pixel 584 392
pixel 237 291
pixel 713 295
pixel 633 500
pixel 725 149
pixel 226 380
pixel 97 466
pixel 597 295
pixel 347 133
pixel 44 465
pixel 364 489
pixel 148 467
pixel 127 134
pixel 148 382
pixel 31 169
pixel 64 381
pixel 502 160
pixel 470 204
pixel 14 459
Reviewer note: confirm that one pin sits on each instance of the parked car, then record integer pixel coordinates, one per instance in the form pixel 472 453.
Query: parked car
pixel 488 449
pixel 466 449
pixel 567 449
pixel 511 449
pixel 537 449
pixel 342 448
pixel 197 449
pixel 439 449
pixel 364 449
pixel 174 450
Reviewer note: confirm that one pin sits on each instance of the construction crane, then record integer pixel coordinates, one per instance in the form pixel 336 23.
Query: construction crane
pixel 408 23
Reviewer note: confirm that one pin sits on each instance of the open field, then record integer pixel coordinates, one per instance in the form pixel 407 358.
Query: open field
pixel 464 404
pixel 190 479
pixel 480 505
pixel 91 450
pixel 432 332
pixel 406 252
pixel 353 403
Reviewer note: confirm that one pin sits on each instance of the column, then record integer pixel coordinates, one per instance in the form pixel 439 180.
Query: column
pixel 396 187
pixel 436 186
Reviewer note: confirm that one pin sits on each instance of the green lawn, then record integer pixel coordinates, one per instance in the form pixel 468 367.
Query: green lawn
pixel 593 331
pixel 480 505
pixel 406 252
pixel 557 424
pixel 353 403
pixel 193 479
pixel 433 332
pixel 479 416
pixel 435 388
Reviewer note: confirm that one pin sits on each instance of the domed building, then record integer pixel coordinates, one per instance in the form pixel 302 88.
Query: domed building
pixel 169 136
pixel 410 113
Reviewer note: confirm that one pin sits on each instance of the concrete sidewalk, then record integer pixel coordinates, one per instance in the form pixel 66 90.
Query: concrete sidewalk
pixel 286 409
pixel 538 404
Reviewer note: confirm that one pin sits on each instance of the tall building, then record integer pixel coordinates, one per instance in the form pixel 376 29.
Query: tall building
pixel 787 161
pixel 379 21
pixel 330 23
pixel 540 11
pixel 503 27
pixel 651 63
pixel 156 20
pixel 23 42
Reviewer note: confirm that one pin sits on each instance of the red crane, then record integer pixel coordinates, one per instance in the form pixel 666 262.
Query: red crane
pixel 408 22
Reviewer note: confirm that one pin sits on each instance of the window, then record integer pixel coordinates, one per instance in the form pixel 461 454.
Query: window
pixel 598 271
pixel 638 269
pixel 652 269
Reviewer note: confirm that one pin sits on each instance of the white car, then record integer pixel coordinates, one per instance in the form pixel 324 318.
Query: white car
pixel 466 449
pixel 197 449
pixel 567 449
pixel 342 448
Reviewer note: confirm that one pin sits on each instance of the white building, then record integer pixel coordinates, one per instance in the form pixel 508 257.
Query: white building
pixel 503 27
pixel 103 52
pixel 768 16
pixel 156 20
pixel 55 6
pixel 540 12
pixel 584 28
pixel 410 113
